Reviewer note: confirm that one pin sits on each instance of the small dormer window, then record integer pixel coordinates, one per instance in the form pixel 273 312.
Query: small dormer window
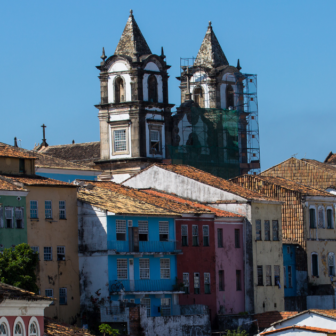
pixel 152 89
pixel 21 165
pixel 119 90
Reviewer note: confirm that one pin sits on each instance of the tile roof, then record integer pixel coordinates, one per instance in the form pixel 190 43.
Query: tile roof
pixel 36 180
pixel 331 158
pixel 265 320
pixel 158 201
pixel 117 203
pixel 84 153
pixel 14 152
pixel 8 185
pixel 55 328
pixel 211 180
pixel 8 292
pixel 217 212
pixel 301 327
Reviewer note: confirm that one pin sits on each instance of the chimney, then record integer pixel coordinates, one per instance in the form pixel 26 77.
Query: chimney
pixel 15 142
pixel 73 141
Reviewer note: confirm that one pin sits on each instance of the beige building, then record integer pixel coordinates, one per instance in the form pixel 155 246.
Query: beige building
pixel 52 230
pixel 264 287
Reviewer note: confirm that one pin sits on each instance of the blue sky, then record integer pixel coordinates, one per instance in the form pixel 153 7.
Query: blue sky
pixel 49 50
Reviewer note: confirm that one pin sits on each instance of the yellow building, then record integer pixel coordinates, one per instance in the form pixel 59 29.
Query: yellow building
pixel 52 230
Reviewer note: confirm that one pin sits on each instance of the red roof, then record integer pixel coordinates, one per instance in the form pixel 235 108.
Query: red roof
pixel 265 320
pixel 218 212
pixel 314 329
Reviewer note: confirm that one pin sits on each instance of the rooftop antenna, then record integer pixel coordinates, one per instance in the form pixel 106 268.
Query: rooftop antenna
pixel 294 155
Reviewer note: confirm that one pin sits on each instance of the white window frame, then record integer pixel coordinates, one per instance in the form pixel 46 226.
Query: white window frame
pixel 164 229
pixel 47 210
pixel 333 255
pixel 44 254
pixel 197 275
pixel 318 270
pixel 332 216
pixel 184 227
pixel 34 321
pixel 154 126
pixel 144 266
pixel 19 209
pixel 114 129
pixel 51 295
pixel 7 208
pixel 62 211
pixel 207 281
pixel 195 226
pixel 143 228
pixel 64 289
pixel 165 308
pixel 323 226
pixel 4 321
pixel 122 262
pixel 33 210
pixel 206 227
pixel 121 228
pixel 186 281
pixel 164 270
pixel 59 252
pixel 22 327
pixel 147 303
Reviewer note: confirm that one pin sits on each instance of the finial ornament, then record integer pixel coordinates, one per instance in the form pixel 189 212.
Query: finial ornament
pixel 103 56
pixel 131 12
pixel 209 23
pixel 238 65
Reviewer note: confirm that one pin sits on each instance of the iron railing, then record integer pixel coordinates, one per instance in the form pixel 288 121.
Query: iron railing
pixel 143 285
pixel 144 246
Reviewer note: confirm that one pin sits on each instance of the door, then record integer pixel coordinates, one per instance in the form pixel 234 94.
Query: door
pixel 131 274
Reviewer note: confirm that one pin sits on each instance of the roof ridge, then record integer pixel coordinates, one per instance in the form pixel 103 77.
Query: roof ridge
pixel 72 144
pixel 278 164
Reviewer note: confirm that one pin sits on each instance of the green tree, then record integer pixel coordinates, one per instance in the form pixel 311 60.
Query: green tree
pixel 237 332
pixel 18 267
pixel 107 329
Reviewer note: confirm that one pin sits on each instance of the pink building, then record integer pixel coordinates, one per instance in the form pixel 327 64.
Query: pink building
pixel 21 312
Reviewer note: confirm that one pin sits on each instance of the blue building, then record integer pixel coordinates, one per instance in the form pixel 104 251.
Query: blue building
pixel 289 261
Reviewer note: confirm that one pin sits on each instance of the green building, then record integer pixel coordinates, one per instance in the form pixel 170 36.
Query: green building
pixel 13 228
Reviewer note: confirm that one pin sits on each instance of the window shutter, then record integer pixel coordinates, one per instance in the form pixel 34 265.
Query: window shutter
pixel 143 227
pixel 184 230
pixel 321 218
pixel 195 230
pixel 205 230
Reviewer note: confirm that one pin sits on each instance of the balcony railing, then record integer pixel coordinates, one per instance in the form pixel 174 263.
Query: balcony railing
pixel 144 246
pixel 143 286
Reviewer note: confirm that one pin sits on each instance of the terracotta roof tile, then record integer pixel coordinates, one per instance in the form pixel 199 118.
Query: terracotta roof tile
pixel 14 152
pixel 301 327
pixel 55 328
pixel 8 185
pixel 217 212
pixel 164 203
pixel 265 320
pixel 16 293
pixel 37 180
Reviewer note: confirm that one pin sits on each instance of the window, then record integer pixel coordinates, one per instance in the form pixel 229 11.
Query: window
pixel 267 230
pixel 275 227
pixel 120 140
pixel 165 307
pixel 258 229
pixel 205 235
pixel 60 253
pixel 36 250
pixel 237 238
pixel 331 264
pixel 147 303
pixel 152 89
pixel 164 231
pixel 144 268
pixel 330 218
pixel 121 229
pixel 19 218
pixel 143 230
pixel 321 217
pixel 221 281
pixel 312 219
pixel 165 268
pixel 47 253
pixel 195 235
pixel 314 264
pixel 184 233
pixel 3 330
pixel 206 283
pixel 63 300
pixel 229 96
pixel 21 165
pixel 18 329
pixel 154 137
pixel 9 217
pixel 119 90
pixel 268 275
pixel 49 293
pixel 196 283
pixel 285 280
pixel 186 282
pixel 220 237
pixel 33 209
pixel 238 280
pixel 48 212
pixel 290 282
pixel 277 275
pixel 62 214
pixel 122 269
pixel 33 329
pixel 260 275
pixel 199 97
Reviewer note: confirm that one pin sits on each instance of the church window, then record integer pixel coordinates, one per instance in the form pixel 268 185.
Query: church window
pixel 152 89
pixel 119 90
pixel 199 97
pixel 154 142
pixel 120 141
pixel 229 97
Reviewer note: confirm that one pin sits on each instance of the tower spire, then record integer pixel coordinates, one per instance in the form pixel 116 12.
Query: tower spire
pixel 238 65
pixel 103 57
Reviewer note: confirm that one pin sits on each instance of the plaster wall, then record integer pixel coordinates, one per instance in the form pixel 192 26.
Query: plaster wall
pixel 321 302
pixel 52 233
pixel 12 166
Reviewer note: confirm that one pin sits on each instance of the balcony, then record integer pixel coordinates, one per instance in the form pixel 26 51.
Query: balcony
pixel 145 246
pixel 162 285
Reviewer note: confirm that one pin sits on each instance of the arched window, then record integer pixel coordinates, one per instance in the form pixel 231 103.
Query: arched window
pixel 330 218
pixel 3 330
pixel 321 217
pixel 152 89
pixel 331 264
pixel 199 97
pixel 229 96
pixel 119 90
pixel 314 264
pixel 18 331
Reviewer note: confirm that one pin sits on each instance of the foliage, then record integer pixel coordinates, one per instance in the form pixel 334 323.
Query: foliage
pixel 107 329
pixel 18 267
pixel 237 332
